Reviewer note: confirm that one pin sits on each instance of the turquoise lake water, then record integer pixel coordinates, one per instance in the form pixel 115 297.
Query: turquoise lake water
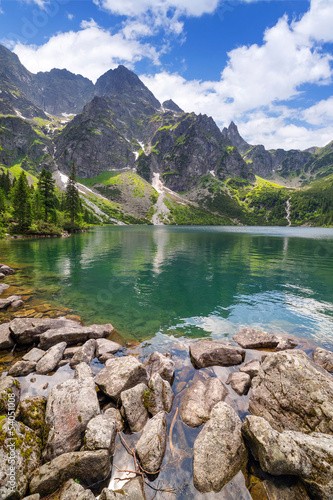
pixel 187 281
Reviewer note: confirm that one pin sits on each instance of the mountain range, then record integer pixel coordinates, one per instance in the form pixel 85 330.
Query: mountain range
pixel 139 160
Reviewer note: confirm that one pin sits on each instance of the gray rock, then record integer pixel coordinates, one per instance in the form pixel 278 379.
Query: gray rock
pixel 292 392
pixel 31 412
pixel 101 331
pixel 219 451
pixel 32 497
pixel 3 287
pixel 9 386
pixel 210 353
pixel 116 416
pixel 254 339
pixel 51 358
pixel 119 375
pixel 70 406
pixel 16 304
pixel 83 371
pixel 89 467
pixel 6 341
pixel 74 334
pixel 28 330
pixel 200 399
pixel 240 382
pixel 71 489
pixel 251 368
pixel 135 405
pixel 132 490
pixel 160 397
pixel 4 303
pixel 324 358
pixel 25 458
pixel 34 354
pixel 22 368
pixel 6 270
pixel 101 432
pixel 284 488
pixel 70 351
pixel 151 446
pixel 105 346
pixel 163 365
pixel 85 354
pixel 285 343
pixel 2 275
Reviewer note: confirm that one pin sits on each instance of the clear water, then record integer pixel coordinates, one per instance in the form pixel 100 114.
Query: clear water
pixel 187 281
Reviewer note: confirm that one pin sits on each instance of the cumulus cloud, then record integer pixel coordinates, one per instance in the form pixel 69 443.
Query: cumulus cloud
pixel 134 8
pixel 91 51
pixel 319 113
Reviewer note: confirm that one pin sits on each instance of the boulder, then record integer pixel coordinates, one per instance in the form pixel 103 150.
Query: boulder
pixel 135 404
pixel 160 396
pixel 105 346
pixel 163 365
pixel 73 334
pixel 4 303
pixel 308 456
pixel 292 392
pixel 119 375
pixel 83 371
pixel 219 451
pixel 16 304
pixel 115 413
pixel 251 368
pixel 89 467
pixel 210 353
pixel 31 412
pixel 151 446
pixel 240 382
pixel 26 331
pixel 101 432
pixel 71 489
pixel 51 358
pixel 132 490
pixel 6 341
pixel 324 358
pixel 22 368
pixel 70 406
pixel 285 343
pixel 200 399
pixel 10 393
pixel 6 270
pixel 34 355
pixel 85 354
pixel 20 448
pixel 249 338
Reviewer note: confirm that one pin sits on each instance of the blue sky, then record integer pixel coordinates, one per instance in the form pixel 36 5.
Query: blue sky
pixel 266 65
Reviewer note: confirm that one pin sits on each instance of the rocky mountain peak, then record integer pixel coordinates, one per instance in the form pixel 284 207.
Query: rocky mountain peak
pixel 170 105
pixel 234 136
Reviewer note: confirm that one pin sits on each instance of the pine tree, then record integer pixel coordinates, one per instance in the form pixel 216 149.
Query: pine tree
pixel 47 192
pixel 73 203
pixel 2 201
pixel 22 203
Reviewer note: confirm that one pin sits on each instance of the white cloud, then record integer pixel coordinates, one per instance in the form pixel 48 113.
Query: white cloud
pixel 70 16
pixel 134 8
pixel 91 51
pixel 319 113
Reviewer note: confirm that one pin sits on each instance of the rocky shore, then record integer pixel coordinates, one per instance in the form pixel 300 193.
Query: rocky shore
pixel 256 407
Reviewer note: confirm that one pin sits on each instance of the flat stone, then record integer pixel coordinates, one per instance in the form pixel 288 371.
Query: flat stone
pixel 9 386
pixel 255 339
pixel 6 341
pixel 324 358
pixel 70 335
pixel 70 406
pixel 28 330
pixel 105 346
pixel 210 353
pixel 219 451
pixel 285 343
pixel 85 354
pixel 71 489
pixel 101 432
pixel 83 371
pixel 89 467
pixel 34 355
pixel 163 365
pixel 32 497
pixel 119 375
pixel 200 399
pixel 292 392
pixel 70 351
pixel 26 458
pixel 22 368
pixel 51 358
pixel 240 382
pixel 135 405
pixel 251 368
pixel 31 412
pixel 151 446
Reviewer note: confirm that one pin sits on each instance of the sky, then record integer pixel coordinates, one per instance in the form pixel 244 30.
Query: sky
pixel 266 65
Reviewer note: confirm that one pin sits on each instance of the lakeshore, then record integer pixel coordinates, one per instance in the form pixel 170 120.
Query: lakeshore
pixel 174 392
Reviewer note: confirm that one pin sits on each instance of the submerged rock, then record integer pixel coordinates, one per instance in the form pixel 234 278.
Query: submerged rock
pixel 6 270
pixel 151 446
pixel 324 358
pixel 292 392
pixel 240 382
pixel 70 406
pixel 89 467
pixel 3 287
pixel 135 405
pixel 219 451
pixel 200 399
pixel 51 358
pixel 210 353
pixel 9 301
pixel 119 375
pixel 163 365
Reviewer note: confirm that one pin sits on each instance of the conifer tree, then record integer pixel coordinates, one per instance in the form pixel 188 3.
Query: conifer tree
pixel 22 203
pixel 47 192
pixel 2 201
pixel 73 203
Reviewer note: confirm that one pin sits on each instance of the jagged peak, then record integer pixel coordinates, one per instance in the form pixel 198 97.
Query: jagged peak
pixel 172 106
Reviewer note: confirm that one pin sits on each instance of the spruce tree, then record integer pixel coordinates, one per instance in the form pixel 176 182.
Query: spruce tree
pixel 22 203
pixel 2 201
pixel 73 203
pixel 47 192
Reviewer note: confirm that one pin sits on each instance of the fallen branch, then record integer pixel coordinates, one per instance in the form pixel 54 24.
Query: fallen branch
pixel 170 433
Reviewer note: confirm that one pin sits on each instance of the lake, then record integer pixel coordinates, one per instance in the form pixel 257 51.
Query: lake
pixel 187 281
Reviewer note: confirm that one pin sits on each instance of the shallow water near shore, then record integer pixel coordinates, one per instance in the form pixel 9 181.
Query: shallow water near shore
pixel 186 281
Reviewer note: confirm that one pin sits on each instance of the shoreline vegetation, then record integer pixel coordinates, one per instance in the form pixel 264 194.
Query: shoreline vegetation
pixel 85 413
